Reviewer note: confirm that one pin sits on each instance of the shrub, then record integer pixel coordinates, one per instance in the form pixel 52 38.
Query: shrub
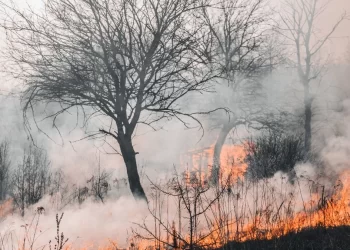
pixel 273 152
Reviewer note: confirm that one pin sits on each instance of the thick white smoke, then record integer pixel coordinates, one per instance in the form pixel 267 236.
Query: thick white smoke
pixel 159 152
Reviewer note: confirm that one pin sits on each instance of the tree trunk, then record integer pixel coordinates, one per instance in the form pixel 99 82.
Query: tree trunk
pixel 227 127
pixel 308 115
pixel 129 157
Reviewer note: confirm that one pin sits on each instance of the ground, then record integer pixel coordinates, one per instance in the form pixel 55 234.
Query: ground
pixel 309 239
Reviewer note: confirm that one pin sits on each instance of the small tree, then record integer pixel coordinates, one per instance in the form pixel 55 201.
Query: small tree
pixel 5 164
pixel 31 179
pixel 100 183
pixel 193 198
pixel 130 61
pixel 60 190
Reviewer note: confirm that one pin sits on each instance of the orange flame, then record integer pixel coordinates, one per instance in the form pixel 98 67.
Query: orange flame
pixel 200 163
pixel 269 217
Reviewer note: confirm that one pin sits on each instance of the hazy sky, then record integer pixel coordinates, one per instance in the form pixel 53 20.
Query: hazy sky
pixel 340 40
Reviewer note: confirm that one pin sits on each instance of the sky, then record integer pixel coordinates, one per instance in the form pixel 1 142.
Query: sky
pixel 340 41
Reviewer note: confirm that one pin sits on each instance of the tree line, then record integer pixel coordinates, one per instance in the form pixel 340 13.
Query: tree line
pixel 132 62
pixel 33 178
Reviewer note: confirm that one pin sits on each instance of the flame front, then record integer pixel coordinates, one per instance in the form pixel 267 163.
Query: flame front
pixel 265 209
pixel 245 209
pixel 273 214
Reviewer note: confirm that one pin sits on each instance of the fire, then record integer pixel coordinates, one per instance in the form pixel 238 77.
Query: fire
pixel 200 163
pixel 319 211
pixel 271 221
pixel 112 245
pixel 249 210
pixel 245 210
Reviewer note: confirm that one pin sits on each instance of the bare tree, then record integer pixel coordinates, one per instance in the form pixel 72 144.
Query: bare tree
pixel 299 28
pixel 59 189
pixel 130 61
pixel 5 164
pixel 193 198
pixel 242 52
pixel 19 188
pixel 31 179
pixel 100 183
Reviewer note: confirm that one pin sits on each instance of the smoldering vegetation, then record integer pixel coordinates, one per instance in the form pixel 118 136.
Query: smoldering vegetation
pixel 171 124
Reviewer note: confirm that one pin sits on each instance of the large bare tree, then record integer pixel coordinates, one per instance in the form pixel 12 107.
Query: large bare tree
pixel 298 25
pixel 129 60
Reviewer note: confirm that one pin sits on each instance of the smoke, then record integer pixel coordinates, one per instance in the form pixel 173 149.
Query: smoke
pixel 337 149
pixel 159 153
pixel 90 223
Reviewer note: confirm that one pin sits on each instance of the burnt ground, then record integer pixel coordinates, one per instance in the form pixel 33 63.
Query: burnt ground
pixel 337 238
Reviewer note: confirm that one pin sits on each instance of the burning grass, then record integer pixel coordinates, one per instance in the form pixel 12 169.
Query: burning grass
pixel 191 212
pixel 241 210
